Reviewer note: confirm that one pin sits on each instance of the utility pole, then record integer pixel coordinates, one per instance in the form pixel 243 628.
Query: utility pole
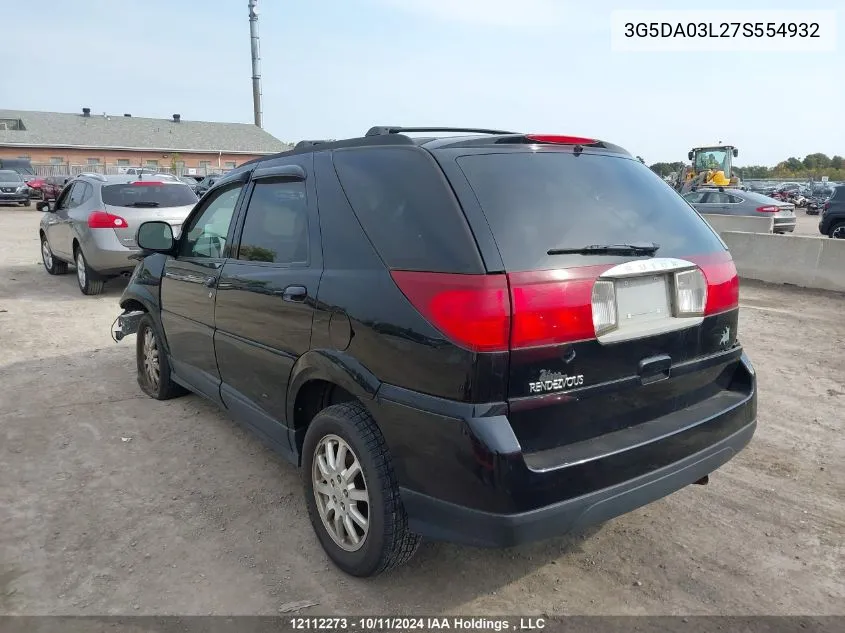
pixel 256 61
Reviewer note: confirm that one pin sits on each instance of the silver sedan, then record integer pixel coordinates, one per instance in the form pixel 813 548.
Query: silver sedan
pixel 746 203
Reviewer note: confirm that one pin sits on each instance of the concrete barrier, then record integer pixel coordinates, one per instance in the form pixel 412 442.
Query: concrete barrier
pixel 723 223
pixel 802 260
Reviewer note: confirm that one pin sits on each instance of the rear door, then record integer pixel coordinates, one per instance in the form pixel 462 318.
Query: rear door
pixel 145 200
pixel 189 286
pixel 599 342
pixel 267 294
pixel 61 232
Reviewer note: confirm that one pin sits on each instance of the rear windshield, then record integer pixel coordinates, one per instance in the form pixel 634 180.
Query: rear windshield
pixel 148 195
pixel 536 201
pixel 838 192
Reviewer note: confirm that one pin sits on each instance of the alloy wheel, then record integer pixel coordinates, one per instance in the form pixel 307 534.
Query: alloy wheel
pixel 340 491
pixel 80 269
pixel 152 368
pixel 46 254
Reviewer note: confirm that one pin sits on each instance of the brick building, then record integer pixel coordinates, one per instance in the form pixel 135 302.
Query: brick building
pixel 58 141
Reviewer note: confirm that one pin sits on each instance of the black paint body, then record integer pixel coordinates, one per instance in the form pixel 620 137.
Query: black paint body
pixel 478 458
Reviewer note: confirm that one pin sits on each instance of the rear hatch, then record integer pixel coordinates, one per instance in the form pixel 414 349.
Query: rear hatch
pixel 145 200
pixel 623 302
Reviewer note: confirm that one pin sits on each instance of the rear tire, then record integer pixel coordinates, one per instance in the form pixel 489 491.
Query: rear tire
pixel 87 284
pixel 154 376
pixel 51 264
pixel 837 231
pixel 386 541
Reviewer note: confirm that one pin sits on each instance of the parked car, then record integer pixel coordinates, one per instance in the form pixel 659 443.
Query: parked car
pixel 488 339
pixel 94 220
pixel 832 220
pixel 13 189
pixel 207 183
pixel 190 181
pixel 744 203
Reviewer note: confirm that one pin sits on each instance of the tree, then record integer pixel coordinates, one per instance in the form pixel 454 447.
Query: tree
pixel 836 162
pixel 816 161
pixel 664 169
pixel 793 164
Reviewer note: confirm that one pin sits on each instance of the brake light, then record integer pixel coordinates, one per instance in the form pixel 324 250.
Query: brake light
pixel 147 183
pixel 767 209
pixel 103 220
pixel 553 306
pixel 472 310
pixel 722 282
pixel 557 139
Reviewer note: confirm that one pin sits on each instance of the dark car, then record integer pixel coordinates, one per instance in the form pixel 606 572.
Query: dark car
pixel 832 221
pixel 206 183
pixel 51 188
pixel 488 339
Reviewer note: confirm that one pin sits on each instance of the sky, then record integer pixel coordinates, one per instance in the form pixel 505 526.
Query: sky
pixel 334 68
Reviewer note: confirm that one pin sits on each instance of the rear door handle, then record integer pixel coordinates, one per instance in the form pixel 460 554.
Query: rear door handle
pixel 295 293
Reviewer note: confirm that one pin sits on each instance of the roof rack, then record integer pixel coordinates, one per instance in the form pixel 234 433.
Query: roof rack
pixel 95 176
pixel 381 130
pixel 304 144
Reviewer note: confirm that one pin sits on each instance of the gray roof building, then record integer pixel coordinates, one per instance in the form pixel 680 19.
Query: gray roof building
pixel 28 128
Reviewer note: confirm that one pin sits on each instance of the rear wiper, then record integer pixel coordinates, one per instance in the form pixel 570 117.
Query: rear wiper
pixel 647 248
pixel 144 204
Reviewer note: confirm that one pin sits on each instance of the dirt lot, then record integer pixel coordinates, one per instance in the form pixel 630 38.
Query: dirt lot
pixel 112 503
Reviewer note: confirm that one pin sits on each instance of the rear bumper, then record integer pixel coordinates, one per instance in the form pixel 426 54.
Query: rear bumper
pixel 786 225
pixel 450 522
pixel 467 480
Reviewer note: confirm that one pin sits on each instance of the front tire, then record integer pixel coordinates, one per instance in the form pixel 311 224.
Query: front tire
pixel 87 284
pixel 51 264
pixel 351 492
pixel 26 203
pixel 837 231
pixel 153 364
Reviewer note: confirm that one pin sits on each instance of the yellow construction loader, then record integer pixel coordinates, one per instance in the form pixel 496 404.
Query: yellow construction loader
pixel 709 167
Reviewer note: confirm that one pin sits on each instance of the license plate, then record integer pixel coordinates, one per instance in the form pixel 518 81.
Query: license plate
pixel 642 299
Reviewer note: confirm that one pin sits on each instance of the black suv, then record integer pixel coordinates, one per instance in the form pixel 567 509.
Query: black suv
pixel 489 338
pixel 832 221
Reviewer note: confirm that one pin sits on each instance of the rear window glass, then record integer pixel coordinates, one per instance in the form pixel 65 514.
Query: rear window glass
pixel 407 209
pixel 148 195
pixel 536 201
pixel 837 193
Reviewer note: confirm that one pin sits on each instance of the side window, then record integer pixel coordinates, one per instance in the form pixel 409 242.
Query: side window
pixel 206 234
pixel 695 197
pixel 276 224
pixel 74 199
pixel 717 197
pixel 735 200
pixel 87 192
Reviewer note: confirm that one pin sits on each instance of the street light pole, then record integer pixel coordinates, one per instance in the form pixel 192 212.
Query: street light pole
pixel 256 61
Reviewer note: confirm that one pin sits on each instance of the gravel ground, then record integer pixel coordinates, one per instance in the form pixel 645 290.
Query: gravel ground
pixel 113 503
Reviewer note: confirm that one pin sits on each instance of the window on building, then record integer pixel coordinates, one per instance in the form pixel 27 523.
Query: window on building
pixel 123 162
pixel 57 160
pixel 152 163
pixel 93 161
pixel 230 164
pixel 205 163
pixel 24 157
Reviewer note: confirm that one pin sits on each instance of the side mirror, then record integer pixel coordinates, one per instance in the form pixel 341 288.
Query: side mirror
pixel 736 152
pixel 156 236
pixel 690 155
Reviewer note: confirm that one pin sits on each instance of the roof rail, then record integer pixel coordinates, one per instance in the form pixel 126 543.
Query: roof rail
pixel 95 176
pixel 381 130
pixel 304 144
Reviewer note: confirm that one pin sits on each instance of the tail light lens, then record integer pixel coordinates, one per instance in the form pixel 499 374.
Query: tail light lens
pixel 103 220
pixel 495 313
pixel 605 316
pixel 690 293
pixel 767 209
pixel 558 139
pixel 472 310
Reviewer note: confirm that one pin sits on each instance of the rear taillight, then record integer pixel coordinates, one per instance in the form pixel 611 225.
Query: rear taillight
pixel 722 282
pixel 103 220
pixel 826 206
pixel 493 313
pixel 767 209
pixel 472 310
pixel 147 183
pixel 553 306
